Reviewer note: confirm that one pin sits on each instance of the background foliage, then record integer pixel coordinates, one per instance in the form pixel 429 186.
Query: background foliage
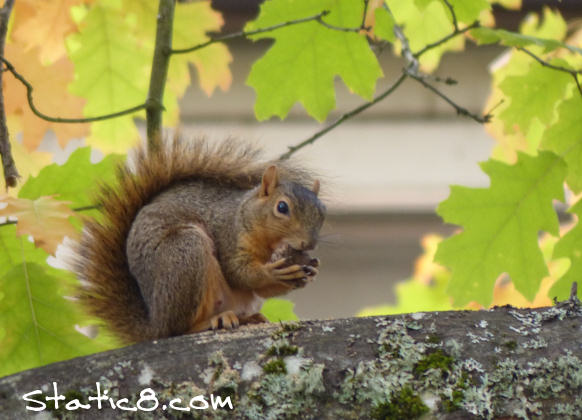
pixel 85 58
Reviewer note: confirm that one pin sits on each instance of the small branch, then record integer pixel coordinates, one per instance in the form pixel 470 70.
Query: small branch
pixel 11 174
pixel 573 73
pixel 344 117
pixel 460 110
pixel 159 74
pixel 453 14
pixel 35 111
pixel 77 209
pixel 242 34
pixel 441 41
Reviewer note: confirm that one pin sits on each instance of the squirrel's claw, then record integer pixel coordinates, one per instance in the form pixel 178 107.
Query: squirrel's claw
pixel 227 320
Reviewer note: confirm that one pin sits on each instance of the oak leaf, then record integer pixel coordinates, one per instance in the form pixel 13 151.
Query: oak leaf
pixel 45 219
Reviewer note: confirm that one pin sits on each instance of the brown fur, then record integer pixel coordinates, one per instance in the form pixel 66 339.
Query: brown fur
pixel 108 290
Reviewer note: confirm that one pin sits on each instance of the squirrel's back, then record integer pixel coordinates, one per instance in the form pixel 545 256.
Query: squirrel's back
pixel 108 289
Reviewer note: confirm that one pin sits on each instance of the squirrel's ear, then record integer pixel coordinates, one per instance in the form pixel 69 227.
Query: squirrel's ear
pixel 269 182
pixel 315 187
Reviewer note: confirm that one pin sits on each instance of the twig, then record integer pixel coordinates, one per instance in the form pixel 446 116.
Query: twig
pixel 363 24
pixel 11 174
pixel 460 110
pixel 573 73
pixel 159 73
pixel 407 53
pixel 34 109
pixel 453 14
pixel 339 28
pixel 344 117
pixel 441 41
pixel 242 34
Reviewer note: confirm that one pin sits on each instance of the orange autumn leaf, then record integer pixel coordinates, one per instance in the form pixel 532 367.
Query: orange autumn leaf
pixel 44 27
pixel 45 219
pixel 50 97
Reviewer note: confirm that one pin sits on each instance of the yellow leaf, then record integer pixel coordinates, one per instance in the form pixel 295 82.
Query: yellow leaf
pixel 46 28
pixel 190 26
pixel 50 97
pixel 45 219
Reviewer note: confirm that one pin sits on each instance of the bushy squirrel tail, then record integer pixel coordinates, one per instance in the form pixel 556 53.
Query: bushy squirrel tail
pixel 107 288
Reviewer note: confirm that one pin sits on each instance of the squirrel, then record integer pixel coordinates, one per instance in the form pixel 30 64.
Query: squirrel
pixel 190 237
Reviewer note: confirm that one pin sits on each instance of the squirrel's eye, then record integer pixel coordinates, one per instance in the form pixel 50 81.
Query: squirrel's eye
pixel 283 207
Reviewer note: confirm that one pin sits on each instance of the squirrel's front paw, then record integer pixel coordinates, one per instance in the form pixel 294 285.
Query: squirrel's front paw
pixel 295 275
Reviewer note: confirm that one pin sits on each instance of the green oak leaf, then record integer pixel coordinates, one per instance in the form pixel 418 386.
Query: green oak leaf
pixel 74 181
pixel 111 73
pixel 570 246
pixel 564 138
pixel 279 310
pixel 305 58
pixel 384 26
pixel 13 250
pixel 500 227
pixel 514 39
pixel 37 323
pixel 533 95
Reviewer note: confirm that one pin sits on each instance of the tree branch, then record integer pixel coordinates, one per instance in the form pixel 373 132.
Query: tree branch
pixel 11 174
pixel 500 363
pixel 573 73
pixel 343 118
pixel 159 74
pixel 242 34
pixel 38 113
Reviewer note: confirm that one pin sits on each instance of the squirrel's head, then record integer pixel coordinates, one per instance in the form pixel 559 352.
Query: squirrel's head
pixel 287 212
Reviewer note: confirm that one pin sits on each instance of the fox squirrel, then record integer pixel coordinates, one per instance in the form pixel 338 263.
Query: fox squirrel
pixel 194 237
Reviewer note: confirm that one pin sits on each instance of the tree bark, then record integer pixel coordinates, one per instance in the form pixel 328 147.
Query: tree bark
pixel 501 363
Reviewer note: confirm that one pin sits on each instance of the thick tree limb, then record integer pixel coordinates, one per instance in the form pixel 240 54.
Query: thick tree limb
pixel 159 73
pixel 10 172
pixel 466 364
